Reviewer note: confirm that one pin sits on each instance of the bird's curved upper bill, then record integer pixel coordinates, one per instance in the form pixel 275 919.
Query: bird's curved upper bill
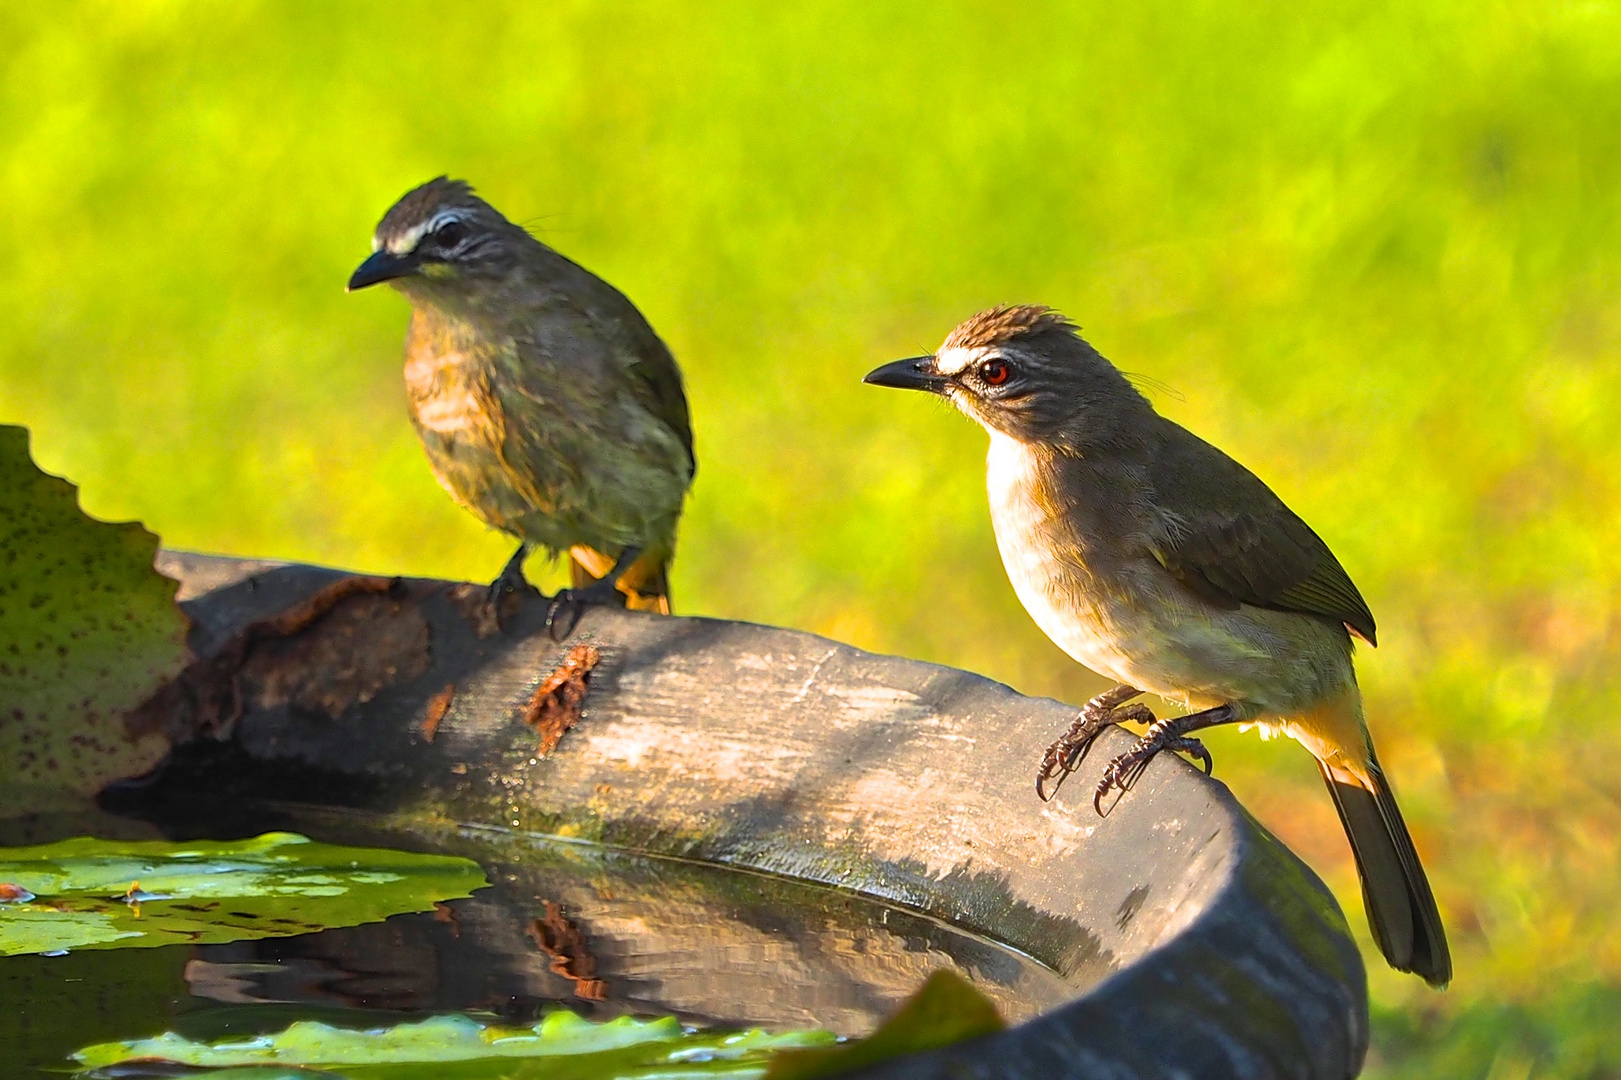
pixel 382 266
pixel 913 373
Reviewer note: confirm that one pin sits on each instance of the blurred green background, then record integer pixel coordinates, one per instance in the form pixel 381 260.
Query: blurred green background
pixel 1373 250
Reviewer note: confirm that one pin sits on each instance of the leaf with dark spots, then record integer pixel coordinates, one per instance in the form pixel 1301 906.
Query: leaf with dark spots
pixel 96 626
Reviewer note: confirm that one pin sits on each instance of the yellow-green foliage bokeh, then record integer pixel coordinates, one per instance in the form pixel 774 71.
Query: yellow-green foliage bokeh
pixel 1373 250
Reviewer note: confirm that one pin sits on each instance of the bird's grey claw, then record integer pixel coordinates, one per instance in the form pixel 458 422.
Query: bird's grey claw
pixel 565 611
pixel 1124 771
pixel 573 602
pixel 495 599
pixel 1065 755
pixel 1051 767
pixel 1067 752
pixel 1197 749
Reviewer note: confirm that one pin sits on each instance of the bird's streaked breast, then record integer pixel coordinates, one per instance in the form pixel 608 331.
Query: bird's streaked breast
pixel 446 390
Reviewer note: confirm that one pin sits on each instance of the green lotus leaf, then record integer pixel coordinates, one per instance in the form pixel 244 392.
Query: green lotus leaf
pixel 88 631
pixel 561 1046
pixel 99 894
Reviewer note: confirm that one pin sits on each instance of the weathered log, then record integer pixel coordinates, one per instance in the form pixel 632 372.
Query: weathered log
pixel 1193 943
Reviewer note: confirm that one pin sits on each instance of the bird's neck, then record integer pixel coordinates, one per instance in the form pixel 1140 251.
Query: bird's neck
pixel 1077 501
pixel 445 303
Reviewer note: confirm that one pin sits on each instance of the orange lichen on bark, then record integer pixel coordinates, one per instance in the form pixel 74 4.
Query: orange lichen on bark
pixel 438 706
pixel 555 705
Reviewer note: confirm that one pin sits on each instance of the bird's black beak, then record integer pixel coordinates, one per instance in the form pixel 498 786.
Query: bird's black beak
pixel 382 266
pixel 913 373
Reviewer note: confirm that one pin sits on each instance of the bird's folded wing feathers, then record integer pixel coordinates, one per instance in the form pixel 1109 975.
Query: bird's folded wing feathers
pixel 660 378
pixel 612 317
pixel 1233 541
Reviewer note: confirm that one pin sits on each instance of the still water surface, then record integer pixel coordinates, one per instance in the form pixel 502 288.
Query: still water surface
pixel 600 931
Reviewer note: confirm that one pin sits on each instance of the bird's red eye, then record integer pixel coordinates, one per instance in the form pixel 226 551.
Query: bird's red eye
pixel 995 372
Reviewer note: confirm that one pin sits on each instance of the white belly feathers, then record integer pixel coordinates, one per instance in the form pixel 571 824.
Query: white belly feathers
pixel 1126 625
pixel 1076 619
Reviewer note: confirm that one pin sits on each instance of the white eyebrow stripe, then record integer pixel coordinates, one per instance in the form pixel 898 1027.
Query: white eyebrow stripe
pixel 956 359
pixel 443 217
pixel 410 238
pixel 407 241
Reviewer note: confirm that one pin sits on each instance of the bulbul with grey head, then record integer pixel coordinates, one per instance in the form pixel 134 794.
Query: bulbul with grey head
pixel 546 403
pixel 1157 560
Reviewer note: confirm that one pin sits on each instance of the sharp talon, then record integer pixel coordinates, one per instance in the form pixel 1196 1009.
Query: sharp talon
pixel 1049 773
pixel 508 582
pixel 1069 756
pixel 1097 800
pixel 603 594
pixel 1051 766
pixel 564 601
pixel 1124 771
pixel 1137 771
pixel 1057 763
pixel 1069 750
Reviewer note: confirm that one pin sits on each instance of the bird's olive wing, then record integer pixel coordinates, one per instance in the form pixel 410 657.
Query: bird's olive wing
pixel 660 378
pixel 1232 541
pixel 651 364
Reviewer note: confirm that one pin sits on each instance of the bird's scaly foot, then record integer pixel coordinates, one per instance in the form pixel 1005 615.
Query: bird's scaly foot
pixel 569 604
pixel 1067 752
pixel 1124 771
pixel 509 582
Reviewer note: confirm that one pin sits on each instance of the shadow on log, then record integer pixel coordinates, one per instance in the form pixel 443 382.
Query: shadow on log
pixel 1188 940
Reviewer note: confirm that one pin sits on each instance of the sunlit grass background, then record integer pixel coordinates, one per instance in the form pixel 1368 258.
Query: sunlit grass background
pixel 1373 250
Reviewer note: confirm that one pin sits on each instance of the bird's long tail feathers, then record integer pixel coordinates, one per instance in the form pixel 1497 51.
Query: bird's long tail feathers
pixel 645 583
pixel 1401 909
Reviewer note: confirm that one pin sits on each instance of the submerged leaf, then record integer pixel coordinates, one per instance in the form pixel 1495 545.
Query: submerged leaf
pixel 88 631
pixel 946 1009
pixel 445 1046
pixel 93 893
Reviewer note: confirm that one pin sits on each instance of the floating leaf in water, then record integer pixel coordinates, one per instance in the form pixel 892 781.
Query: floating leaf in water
pixel 88 631
pixel 158 1071
pixel 91 893
pixel 562 1046
pixel 946 1009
